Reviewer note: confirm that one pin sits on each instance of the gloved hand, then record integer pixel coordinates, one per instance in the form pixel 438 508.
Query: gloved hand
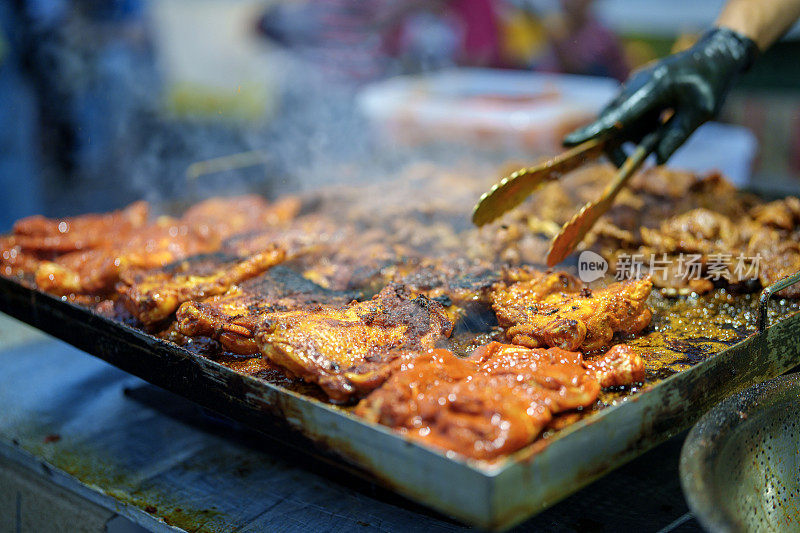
pixel 693 84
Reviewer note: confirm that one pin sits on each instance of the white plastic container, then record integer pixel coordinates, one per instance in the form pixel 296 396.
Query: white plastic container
pixel 528 113
pixel 493 108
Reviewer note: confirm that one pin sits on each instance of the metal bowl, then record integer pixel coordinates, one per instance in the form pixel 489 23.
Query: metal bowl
pixel 740 465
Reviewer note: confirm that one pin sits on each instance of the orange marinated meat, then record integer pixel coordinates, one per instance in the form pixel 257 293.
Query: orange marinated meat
pixel 496 401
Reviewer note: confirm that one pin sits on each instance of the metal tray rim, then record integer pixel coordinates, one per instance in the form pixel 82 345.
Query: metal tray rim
pixel 484 468
pixel 493 495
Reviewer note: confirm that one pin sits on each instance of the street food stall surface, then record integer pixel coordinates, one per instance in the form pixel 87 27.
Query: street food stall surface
pixel 132 450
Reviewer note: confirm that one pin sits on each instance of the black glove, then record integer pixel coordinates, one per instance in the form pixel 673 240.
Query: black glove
pixel 693 84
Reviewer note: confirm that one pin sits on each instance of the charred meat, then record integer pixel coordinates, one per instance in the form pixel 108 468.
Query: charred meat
pixel 552 310
pixel 153 296
pixel 231 318
pixel 331 345
pixel 394 300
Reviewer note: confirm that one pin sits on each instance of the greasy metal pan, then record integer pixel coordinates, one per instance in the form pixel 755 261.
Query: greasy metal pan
pixel 494 496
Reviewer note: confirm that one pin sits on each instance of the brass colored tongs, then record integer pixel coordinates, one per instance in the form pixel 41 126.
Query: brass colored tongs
pixel 512 190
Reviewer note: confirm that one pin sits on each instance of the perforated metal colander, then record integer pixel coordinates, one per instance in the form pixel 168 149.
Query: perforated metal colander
pixel 740 465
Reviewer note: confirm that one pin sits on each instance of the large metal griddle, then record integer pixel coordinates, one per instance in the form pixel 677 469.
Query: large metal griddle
pixel 493 496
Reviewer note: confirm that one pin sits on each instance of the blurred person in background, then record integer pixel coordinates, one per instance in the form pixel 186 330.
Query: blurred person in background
pixel 448 33
pixel 341 38
pixel 478 30
pixel 19 181
pixel 578 43
pixel 334 47
pixel 92 128
pixel 73 81
pixel 354 42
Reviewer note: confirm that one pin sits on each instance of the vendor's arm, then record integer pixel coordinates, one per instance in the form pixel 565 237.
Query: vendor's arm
pixel 763 22
pixel 691 84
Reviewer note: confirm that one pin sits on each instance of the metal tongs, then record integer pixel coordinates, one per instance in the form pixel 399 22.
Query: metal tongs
pixel 513 189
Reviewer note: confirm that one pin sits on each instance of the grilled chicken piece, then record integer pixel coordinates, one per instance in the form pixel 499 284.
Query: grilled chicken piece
pixel 462 287
pixel 310 235
pixel 89 272
pixel 450 281
pixel 16 262
pixel 58 252
pixel 46 236
pixel 550 311
pixel 332 346
pixel 363 262
pixel 535 285
pixel 699 230
pixel 96 270
pixel 778 263
pixel 617 367
pixel 494 402
pixel 781 214
pixel 225 217
pixel 152 296
pixel 86 255
pixel 231 318
pixel 780 257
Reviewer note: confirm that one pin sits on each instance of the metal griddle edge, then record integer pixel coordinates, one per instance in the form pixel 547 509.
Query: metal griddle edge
pixel 492 496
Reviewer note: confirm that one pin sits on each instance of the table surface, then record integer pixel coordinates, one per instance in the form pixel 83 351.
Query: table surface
pixel 160 460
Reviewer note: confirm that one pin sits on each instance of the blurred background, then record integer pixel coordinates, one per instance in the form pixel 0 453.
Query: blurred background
pixel 103 102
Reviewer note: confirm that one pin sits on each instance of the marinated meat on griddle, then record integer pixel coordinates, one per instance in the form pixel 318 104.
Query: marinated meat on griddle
pixel 86 255
pixel 781 214
pixel 617 367
pixel 311 316
pixel 326 345
pixel 696 231
pixel 152 296
pixel 553 311
pixel 779 254
pixel 44 235
pixel 225 217
pixel 671 218
pixel 754 245
pixel 455 281
pixel 309 237
pixel 96 270
pixel 58 253
pixel 494 402
pixel 16 262
pixel 231 318
pixel 367 266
